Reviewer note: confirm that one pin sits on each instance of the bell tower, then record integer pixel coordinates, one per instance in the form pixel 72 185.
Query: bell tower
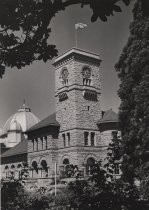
pixel 78 98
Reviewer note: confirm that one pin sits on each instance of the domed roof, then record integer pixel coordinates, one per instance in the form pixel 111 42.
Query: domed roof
pixel 24 117
pixel 15 126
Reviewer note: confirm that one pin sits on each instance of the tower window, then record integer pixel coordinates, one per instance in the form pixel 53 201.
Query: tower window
pixel 86 73
pixel 88 108
pixel 86 138
pixel 92 139
pixel 63 96
pixel 64 140
pixel 64 75
pixel 86 81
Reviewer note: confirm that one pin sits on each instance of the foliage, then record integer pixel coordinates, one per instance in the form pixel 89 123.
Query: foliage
pixel 101 190
pixel 114 155
pixel 15 197
pixel 25 27
pixel 99 193
pixel 12 195
pixel 70 171
pixel 133 71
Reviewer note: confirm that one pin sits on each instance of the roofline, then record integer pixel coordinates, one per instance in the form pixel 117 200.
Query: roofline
pixel 19 153
pixel 76 51
pixel 108 121
pixel 30 130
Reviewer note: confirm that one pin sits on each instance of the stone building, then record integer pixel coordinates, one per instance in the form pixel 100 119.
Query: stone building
pixel 78 132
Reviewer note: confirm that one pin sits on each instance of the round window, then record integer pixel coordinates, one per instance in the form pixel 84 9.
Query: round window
pixel 86 72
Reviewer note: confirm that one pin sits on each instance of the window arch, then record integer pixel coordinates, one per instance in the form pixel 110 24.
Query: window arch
pixel 35 166
pixel 12 166
pixel 19 166
pixel 34 169
pixel 44 168
pixel 66 167
pixel 66 161
pixel 89 165
pixel 6 167
pixel 6 171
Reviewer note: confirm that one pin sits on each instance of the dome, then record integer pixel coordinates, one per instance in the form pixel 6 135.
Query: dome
pixel 23 118
pixel 15 126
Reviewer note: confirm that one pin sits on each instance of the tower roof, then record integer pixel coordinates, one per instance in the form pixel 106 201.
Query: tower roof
pixel 108 116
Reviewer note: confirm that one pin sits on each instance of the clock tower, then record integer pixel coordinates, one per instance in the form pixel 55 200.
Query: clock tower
pixel 78 103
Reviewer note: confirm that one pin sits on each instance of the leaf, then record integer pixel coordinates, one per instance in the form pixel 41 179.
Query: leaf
pixel 2 70
pixel 94 17
pixel 127 2
pixel 117 8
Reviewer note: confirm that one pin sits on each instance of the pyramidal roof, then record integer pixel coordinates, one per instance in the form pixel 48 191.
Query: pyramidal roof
pixel 48 121
pixel 109 116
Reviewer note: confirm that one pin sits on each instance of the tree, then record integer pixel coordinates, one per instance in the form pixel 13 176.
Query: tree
pixel 133 71
pixel 98 192
pixel 25 27
pixel 12 195
pixel 114 156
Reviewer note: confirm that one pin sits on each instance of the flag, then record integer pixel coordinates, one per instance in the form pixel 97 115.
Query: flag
pixel 80 26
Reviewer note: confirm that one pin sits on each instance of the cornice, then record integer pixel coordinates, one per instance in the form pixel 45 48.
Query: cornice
pixel 77 55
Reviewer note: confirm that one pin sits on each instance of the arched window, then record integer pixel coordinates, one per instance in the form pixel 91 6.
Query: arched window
pixel 12 166
pixel 6 171
pixel 19 166
pixel 66 167
pixel 44 169
pixel 66 161
pixel 34 169
pixel 19 171
pixel 90 164
pixel 6 167
pixel 12 172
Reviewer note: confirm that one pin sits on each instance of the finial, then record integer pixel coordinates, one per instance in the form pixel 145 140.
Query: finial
pixel 24 107
pixel 24 102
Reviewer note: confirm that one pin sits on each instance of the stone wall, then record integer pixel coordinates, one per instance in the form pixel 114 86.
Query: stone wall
pixel 47 152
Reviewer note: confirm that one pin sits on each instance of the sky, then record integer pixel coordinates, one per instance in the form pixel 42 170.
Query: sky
pixel 36 83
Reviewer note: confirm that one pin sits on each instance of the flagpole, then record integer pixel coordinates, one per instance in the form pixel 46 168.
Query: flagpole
pixel 55 180
pixel 78 26
pixel 76 41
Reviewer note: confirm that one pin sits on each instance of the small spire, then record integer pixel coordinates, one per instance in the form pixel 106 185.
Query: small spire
pixel 24 107
pixel 24 103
